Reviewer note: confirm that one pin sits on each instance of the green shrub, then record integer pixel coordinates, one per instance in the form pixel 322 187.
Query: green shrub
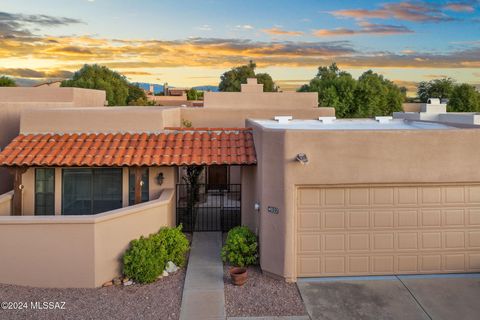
pixel 175 242
pixel 146 258
pixel 241 247
pixel 144 261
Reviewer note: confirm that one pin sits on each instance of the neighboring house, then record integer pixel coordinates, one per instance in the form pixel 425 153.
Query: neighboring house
pixel 172 96
pixel 326 197
pixel 51 84
pixel 14 100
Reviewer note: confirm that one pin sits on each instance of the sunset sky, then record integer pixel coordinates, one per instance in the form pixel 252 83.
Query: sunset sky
pixel 191 42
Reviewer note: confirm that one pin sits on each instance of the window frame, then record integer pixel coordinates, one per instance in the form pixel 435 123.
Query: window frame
pixel 145 187
pixel 93 184
pixel 36 202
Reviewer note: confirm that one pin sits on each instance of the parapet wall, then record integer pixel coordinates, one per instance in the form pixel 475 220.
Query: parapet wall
pixel 76 251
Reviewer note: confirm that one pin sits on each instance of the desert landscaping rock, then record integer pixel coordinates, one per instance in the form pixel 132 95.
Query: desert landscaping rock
pixel 158 300
pixel 262 296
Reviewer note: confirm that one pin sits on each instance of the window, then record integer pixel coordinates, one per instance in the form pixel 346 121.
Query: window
pixel 44 191
pixel 131 186
pixel 91 191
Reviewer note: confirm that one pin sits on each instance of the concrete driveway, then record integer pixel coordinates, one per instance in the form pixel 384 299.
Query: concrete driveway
pixel 404 297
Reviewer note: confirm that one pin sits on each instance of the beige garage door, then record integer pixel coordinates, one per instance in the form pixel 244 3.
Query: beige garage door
pixel 387 230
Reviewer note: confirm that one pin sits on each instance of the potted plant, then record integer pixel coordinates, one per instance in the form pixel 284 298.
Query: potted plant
pixel 240 250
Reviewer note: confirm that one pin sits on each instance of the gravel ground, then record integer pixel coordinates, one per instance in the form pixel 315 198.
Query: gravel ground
pixel 159 300
pixel 262 296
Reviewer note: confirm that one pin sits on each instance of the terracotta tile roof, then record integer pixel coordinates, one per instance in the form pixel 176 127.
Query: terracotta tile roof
pixel 179 147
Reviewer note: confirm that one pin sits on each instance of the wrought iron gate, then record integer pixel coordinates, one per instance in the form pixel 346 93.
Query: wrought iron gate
pixel 208 208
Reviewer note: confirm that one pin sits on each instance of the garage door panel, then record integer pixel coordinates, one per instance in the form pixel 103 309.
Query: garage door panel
pixel 388 230
pixel 382 219
pixel 358 197
pixel 454 217
pixel 473 217
pixel 474 262
pixel 407 196
pixel 333 220
pixel 473 194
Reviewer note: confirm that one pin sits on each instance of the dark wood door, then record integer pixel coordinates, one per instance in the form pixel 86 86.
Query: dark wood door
pixel 217 177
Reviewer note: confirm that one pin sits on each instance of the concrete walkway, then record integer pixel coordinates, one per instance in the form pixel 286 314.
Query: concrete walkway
pixel 423 297
pixel 203 291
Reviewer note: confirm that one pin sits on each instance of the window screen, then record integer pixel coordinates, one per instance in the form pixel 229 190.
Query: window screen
pixel 44 191
pixel 91 191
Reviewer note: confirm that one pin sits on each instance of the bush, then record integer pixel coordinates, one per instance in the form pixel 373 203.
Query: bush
pixel 241 247
pixel 146 258
pixel 175 243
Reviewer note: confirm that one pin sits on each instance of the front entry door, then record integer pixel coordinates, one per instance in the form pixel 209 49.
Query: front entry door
pixel 217 177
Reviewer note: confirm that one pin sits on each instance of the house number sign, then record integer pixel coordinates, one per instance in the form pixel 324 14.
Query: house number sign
pixel 273 210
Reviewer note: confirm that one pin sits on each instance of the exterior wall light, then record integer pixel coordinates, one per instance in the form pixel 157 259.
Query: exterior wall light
pixel 160 178
pixel 302 158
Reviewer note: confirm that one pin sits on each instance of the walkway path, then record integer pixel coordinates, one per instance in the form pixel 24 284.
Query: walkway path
pixel 203 291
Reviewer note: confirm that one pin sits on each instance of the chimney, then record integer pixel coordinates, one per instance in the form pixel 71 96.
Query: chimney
pixel 252 86
pixel 152 90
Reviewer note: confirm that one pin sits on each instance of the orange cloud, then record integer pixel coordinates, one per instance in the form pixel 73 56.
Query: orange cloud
pixel 365 28
pixel 407 10
pixel 280 32
pixel 460 7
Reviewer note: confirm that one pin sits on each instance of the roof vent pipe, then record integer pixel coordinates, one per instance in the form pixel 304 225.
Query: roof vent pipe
pixel 283 119
pixel 383 119
pixel 327 119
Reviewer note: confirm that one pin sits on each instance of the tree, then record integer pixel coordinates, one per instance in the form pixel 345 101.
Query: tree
pixel 464 98
pixel 267 81
pixel 437 88
pixel 7 82
pixel 376 96
pixel 193 94
pixel 100 77
pixel 370 95
pixel 231 80
pixel 335 89
pixel 136 96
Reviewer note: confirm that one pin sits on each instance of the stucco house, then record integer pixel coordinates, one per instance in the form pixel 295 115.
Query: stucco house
pixel 326 196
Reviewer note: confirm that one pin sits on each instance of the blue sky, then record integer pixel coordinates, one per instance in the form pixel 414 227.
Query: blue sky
pixel 192 42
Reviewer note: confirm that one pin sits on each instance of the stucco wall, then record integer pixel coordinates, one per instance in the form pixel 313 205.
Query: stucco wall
pixel 15 100
pixel 106 119
pixel 265 100
pixel 349 157
pixel 77 96
pixel 221 118
pixel 76 251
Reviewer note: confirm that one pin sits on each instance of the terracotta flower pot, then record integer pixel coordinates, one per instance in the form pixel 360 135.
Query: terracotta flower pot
pixel 238 275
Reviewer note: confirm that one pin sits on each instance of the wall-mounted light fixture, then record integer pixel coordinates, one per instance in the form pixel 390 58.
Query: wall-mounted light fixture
pixel 160 178
pixel 302 158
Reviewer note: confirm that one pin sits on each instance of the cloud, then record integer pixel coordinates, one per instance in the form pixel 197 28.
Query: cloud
pixel 204 27
pixel 36 74
pixel 20 25
pixel 365 28
pixel 244 27
pixel 419 11
pixel 410 85
pixel 435 76
pixel 280 32
pixel 460 6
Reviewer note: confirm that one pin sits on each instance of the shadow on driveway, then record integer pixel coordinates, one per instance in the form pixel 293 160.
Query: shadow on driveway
pixel 403 297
